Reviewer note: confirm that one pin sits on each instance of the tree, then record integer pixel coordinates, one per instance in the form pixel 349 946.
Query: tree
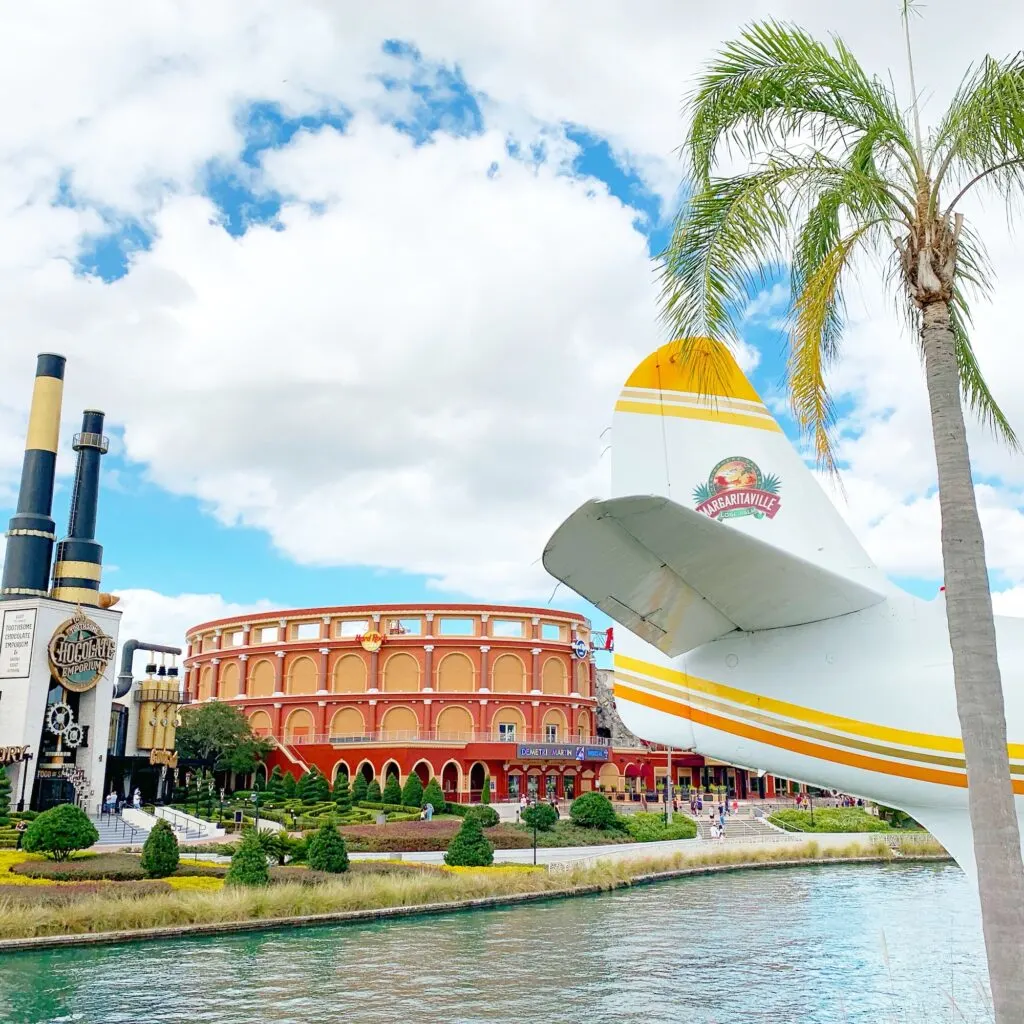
pixel 342 794
pixel 60 831
pixel 359 788
pixel 288 786
pixel 313 788
pixel 5 796
pixel 539 816
pixel 434 796
pixel 839 170
pixel 248 863
pixel 219 735
pixel 373 794
pixel 485 814
pixel 593 810
pixel 485 793
pixel 392 791
pixel 275 784
pixel 412 791
pixel 160 851
pixel 327 850
pixel 469 847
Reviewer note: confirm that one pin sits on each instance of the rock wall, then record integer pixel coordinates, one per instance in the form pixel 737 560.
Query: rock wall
pixel 607 716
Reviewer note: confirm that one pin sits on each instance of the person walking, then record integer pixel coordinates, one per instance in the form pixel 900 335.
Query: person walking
pixel 21 828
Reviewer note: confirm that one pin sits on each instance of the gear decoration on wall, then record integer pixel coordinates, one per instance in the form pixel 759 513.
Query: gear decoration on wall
pixel 59 717
pixel 73 735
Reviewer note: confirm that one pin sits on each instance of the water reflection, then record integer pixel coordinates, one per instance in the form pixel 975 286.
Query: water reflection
pixel 857 945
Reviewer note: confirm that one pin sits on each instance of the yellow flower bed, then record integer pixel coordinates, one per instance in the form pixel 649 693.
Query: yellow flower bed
pixel 502 869
pixel 8 858
pixel 195 883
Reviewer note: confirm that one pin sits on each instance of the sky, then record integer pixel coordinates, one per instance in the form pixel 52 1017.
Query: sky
pixel 357 286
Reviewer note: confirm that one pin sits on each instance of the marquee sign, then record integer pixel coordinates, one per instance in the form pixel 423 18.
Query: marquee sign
pixel 12 755
pixel 165 757
pixel 560 752
pixel 80 652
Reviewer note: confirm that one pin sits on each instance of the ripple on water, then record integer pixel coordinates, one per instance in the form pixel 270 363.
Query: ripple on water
pixel 835 945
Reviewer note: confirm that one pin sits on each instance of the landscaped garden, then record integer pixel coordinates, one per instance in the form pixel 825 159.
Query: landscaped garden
pixel 843 819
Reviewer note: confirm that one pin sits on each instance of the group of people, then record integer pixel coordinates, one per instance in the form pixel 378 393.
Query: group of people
pixel 114 802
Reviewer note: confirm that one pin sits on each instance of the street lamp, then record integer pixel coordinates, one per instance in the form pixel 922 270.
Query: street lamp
pixel 255 798
pixel 24 779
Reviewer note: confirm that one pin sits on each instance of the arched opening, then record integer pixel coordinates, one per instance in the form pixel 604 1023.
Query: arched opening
pixel 261 679
pixel 608 779
pixel 340 770
pixel 455 673
pixel 390 768
pixel 508 675
pixel 401 674
pixel 301 680
pixel 259 722
pixel 583 725
pixel 477 774
pixel 349 675
pixel 227 685
pixel 399 724
pixel 423 770
pixel 583 678
pixel 553 677
pixel 509 725
pixel 450 780
pixel 366 770
pixel 347 724
pixel 555 727
pixel 454 724
pixel 298 727
pixel 206 683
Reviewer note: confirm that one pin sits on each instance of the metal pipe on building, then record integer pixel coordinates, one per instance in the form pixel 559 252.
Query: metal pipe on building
pixel 124 676
pixel 79 564
pixel 30 535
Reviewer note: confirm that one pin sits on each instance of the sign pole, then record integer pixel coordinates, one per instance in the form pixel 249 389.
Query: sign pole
pixel 24 779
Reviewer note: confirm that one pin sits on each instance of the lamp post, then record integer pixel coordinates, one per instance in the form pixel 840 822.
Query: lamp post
pixel 810 803
pixel 255 798
pixel 24 779
pixel 534 839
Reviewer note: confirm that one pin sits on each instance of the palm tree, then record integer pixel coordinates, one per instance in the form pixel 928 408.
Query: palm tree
pixel 838 170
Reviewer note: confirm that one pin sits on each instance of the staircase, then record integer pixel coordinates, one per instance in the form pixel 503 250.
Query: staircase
pixel 115 831
pixel 739 827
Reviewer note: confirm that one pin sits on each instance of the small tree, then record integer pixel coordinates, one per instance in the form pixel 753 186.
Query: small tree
pixel 160 851
pixel 593 810
pixel 485 793
pixel 342 794
pixel 60 831
pixel 434 796
pixel 275 784
pixel 327 850
pixel 359 788
pixel 373 792
pixel 469 848
pixel 248 863
pixel 539 816
pixel 312 788
pixel 486 815
pixel 392 791
pixel 5 796
pixel 288 786
pixel 412 791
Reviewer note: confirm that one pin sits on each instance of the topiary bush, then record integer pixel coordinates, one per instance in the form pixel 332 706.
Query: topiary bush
pixel 392 791
pixel 539 816
pixel 412 791
pixel 359 788
pixel 469 848
pixel 313 787
pixel 248 863
pixel 275 784
pixel 593 810
pixel 487 816
pixel 60 831
pixel 160 851
pixel 5 796
pixel 288 786
pixel 434 796
pixel 373 795
pixel 485 793
pixel 342 794
pixel 327 851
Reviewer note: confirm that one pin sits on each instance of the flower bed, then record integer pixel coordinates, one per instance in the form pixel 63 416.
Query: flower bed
pixel 108 867
pixel 425 836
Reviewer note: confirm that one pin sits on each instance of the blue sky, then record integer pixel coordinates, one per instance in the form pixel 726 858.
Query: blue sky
pixel 194 553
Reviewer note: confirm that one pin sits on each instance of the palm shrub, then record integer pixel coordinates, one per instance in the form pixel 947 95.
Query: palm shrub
pixel 359 788
pixel 248 863
pixel 840 170
pixel 593 810
pixel 434 796
pixel 327 850
pixel 5 796
pixel 342 794
pixel 160 851
pixel 469 847
pixel 60 831
pixel 412 791
pixel 392 791
pixel 373 795
pixel 485 793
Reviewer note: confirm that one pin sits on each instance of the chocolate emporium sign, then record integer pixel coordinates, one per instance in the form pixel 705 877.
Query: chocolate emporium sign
pixel 80 652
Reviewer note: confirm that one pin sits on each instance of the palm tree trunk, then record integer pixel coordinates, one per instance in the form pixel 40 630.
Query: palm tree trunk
pixel 979 693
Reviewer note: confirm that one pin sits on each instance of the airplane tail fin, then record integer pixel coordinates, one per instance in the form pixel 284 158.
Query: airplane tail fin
pixel 716 523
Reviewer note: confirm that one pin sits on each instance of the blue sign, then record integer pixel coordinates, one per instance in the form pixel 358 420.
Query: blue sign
pixel 580 649
pixel 558 752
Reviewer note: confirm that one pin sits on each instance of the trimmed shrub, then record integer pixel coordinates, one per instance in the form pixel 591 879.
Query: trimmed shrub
pixel 392 791
pixel 651 827
pixel 248 863
pixel 160 851
pixel 288 786
pixel 60 831
pixel 593 810
pixel 5 796
pixel 106 867
pixel 359 788
pixel 275 784
pixel 434 796
pixel 373 794
pixel 469 848
pixel 313 788
pixel 487 816
pixel 539 816
pixel 485 793
pixel 327 851
pixel 412 791
pixel 342 794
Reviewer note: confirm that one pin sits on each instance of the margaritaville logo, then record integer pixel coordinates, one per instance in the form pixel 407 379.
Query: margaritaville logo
pixel 737 487
pixel 80 652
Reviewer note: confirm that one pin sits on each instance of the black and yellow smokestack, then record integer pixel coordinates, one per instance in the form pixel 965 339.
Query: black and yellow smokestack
pixel 76 572
pixel 30 535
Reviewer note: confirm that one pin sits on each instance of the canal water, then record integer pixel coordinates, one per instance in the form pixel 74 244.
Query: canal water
pixel 821 945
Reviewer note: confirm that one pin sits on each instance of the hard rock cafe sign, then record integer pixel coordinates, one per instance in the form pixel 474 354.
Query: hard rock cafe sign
pixel 372 641
pixel 80 652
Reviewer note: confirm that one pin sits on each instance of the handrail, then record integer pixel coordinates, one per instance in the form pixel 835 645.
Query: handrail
pixel 445 736
pixel 203 826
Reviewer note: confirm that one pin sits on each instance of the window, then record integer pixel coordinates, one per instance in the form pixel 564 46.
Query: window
pixel 266 634
pixel 457 627
pixel 569 784
pixel 550 631
pixel 307 631
pixel 405 627
pixel 513 787
pixel 353 627
pixel 550 733
pixel 507 627
pixel 550 787
pixel 507 731
pixel 235 639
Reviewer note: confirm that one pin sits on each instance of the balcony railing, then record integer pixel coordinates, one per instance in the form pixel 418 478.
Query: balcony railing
pixel 445 736
pixel 163 695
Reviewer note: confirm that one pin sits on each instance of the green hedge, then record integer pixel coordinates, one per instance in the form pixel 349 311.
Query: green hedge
pixel 108 867
pixel 830 819
pixel 651 828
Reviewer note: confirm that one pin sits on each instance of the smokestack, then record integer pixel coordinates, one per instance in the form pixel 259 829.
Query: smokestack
pixel 30 535
pixel 76 573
